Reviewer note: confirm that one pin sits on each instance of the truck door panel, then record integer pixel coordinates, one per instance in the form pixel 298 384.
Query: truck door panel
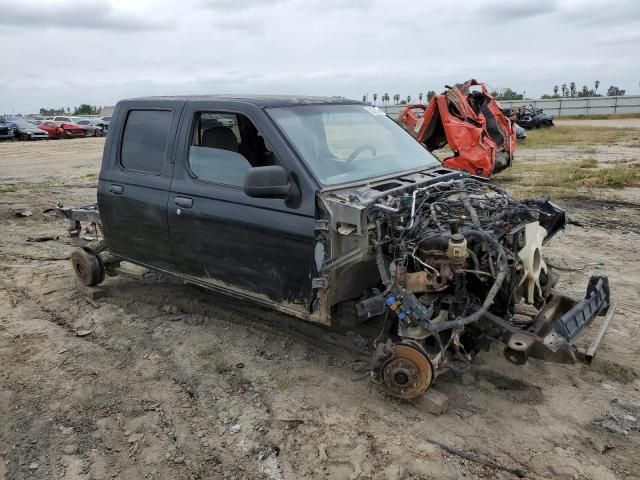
pixel 133 190
pixel 260 247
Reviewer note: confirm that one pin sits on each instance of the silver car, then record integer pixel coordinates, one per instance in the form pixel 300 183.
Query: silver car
pixel 93 130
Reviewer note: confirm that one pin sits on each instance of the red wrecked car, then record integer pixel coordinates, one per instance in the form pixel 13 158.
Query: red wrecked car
pixel 482 138
pixel 63 130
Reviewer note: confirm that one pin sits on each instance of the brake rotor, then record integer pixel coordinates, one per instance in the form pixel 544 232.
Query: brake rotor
pixel 408 373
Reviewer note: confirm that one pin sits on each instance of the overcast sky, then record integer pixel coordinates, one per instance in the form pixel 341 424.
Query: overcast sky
pixel 66 52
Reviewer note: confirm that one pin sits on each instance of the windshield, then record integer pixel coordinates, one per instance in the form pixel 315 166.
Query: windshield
pixel 350 143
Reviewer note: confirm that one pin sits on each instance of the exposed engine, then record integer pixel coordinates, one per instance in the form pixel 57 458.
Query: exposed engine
pixel 453 256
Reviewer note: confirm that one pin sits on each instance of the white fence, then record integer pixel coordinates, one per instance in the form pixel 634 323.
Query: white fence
pixel 559 107
pixel 581 106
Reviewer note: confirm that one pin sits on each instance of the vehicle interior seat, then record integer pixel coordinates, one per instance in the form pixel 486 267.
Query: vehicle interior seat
pixel 220 137
pixel 217 158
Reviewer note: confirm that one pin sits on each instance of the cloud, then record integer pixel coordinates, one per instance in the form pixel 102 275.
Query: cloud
pixel 317 47
pixel 300 5
pixel 597 12
pixel 517 10
pixel 84 14
pixel 235 5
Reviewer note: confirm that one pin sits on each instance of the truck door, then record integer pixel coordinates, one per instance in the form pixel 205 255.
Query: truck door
pixel 258 248
pixel 134 182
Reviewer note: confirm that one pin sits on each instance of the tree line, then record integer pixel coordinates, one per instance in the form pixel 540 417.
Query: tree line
pixel 385 98
pixel 565 90
pixel 571 91
pixel 83 109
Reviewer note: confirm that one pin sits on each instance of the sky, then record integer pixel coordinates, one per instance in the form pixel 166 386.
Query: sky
pixel 61 53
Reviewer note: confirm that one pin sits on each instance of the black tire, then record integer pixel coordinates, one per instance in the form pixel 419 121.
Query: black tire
pixel 87 267
pixel 545 124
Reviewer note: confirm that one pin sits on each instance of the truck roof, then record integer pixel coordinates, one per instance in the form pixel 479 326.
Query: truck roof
pixel 259 100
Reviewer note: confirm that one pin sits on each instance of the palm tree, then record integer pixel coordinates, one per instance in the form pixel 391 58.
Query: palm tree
pixel 555 89
pixel 596 84
pixel 375 97
pixel 572 87
pixel 408 98
pixel 420 95
pixel 385 98
pixel 396 98
pixel 364 98
pixel 564 89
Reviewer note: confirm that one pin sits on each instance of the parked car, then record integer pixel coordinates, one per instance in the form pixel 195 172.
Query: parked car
pixel 521 133
pixel 24 130
pixel 327 210
pixel 60 130
pixel 93 129
pixel 62 118
pixel 6 132
pixel 104 122
pixel 529 118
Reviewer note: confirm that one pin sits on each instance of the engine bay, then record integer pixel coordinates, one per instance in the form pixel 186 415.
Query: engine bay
pixel 461 266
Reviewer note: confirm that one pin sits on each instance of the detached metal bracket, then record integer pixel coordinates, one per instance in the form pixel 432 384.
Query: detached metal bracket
pixel 596 302
pixel 319 282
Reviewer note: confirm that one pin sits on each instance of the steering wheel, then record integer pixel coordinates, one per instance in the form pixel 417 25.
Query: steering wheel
pixel 359 150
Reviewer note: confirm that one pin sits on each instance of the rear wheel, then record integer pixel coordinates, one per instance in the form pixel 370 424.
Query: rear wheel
pixel 87 267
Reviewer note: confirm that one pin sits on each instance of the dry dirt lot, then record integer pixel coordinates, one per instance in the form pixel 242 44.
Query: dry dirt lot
pixel 174 383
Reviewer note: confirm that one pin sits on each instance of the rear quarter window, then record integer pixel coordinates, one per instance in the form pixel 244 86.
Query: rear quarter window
pixel 144 143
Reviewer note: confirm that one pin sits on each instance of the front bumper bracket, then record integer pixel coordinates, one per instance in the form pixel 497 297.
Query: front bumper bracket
pixel 560 323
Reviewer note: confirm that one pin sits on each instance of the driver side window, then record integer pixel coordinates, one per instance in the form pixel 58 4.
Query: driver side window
pixel 224 146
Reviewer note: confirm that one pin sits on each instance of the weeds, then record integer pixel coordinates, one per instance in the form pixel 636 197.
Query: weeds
pixel 214 355
pixel 615 371
pixel 612 116
pixel 567 177
pixel 285 383
pixel 587 163
pixel 573 135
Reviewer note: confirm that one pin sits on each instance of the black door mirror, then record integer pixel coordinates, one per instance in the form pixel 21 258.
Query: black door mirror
pixel 267 182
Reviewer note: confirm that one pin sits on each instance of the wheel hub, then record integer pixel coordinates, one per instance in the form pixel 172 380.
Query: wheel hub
pixel 408 373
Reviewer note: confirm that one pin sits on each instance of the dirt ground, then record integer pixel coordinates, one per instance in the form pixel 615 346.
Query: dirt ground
pixel 158 380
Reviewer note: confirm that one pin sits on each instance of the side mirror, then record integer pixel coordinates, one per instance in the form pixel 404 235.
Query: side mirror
pixel 267 182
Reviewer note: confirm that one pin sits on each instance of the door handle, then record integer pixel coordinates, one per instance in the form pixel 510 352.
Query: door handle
pixel 116 189
pixel 184 202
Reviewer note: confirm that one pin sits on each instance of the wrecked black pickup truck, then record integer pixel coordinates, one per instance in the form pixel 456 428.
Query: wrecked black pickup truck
pixel 308 204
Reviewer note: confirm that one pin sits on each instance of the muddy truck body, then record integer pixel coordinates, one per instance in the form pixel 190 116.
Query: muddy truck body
pixel 327 210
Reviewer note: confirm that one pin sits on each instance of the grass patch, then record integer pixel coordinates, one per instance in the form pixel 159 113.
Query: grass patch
pixel 573 135
pixel 615 371
pixel 583 173
pixel 618 177
pixel 8 188
pixel 612 116
pixel 214 356
pixel 286 383
pixel 567 180
pixel 588 163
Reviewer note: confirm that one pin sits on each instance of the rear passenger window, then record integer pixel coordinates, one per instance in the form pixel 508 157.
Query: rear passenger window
pixel 144 143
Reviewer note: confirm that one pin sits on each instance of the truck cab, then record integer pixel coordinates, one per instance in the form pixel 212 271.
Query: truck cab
pixel 171 196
